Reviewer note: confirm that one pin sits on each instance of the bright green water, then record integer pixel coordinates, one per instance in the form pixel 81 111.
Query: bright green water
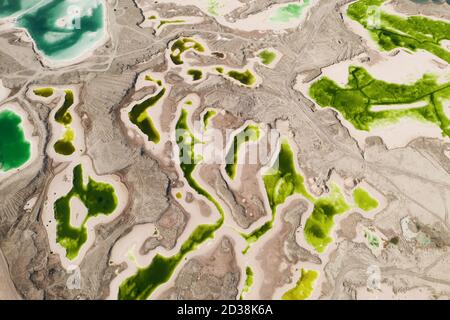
pixel 364 200
pixel 64 145
pixel 182 45
pixel 304 286
pixel 246 77
pixel 280 182
pixel 99 198
pixel 355 100
pixel 207 117
pixel 15 150
pixel 248 281
pixel 140 117
pixel 145 281
pixel 267 57
pixel 250 133
pixel 392 31
pixel 290 11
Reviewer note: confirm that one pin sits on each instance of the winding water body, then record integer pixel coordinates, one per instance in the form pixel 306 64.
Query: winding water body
pixel 60 29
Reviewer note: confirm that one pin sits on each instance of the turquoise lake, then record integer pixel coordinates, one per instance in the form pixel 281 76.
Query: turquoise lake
pixel 60 29
pixel 15 150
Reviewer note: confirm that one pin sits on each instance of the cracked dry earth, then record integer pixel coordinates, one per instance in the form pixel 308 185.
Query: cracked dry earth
pixel 368 211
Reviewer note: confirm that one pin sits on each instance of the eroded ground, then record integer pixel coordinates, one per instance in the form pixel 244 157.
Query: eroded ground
pixel 226 150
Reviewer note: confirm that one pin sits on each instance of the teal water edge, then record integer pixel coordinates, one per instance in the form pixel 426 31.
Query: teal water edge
pixel 60 29
pixel 13 8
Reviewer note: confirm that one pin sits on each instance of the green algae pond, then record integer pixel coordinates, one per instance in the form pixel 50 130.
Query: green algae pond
pixel 180 46
pixel 244 77
pixel 391 31
pixel 250 134
pixel 362 92
pixel 164 22
pixel 319 224
pixel 208 116
pixel 139 116
pixel 65 146
pixel 304 287
pixel 195 74
pixel 281 181
pixel 364 200
pixel 61 30
pixel 44 92
pixel 151 79
pixel 249 279
pixel 99 199
pixel 146 280
pixel 15 150
pixel 267 57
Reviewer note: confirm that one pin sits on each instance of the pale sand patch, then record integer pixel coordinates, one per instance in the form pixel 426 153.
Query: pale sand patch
pixel 446 105
pixel 126 249
pixel 4 92
pixel 59 187
pixel 384 107
pixel 28 129
pixel 396 135
pixel 446 44
pixel 78 212
pixel 28 207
